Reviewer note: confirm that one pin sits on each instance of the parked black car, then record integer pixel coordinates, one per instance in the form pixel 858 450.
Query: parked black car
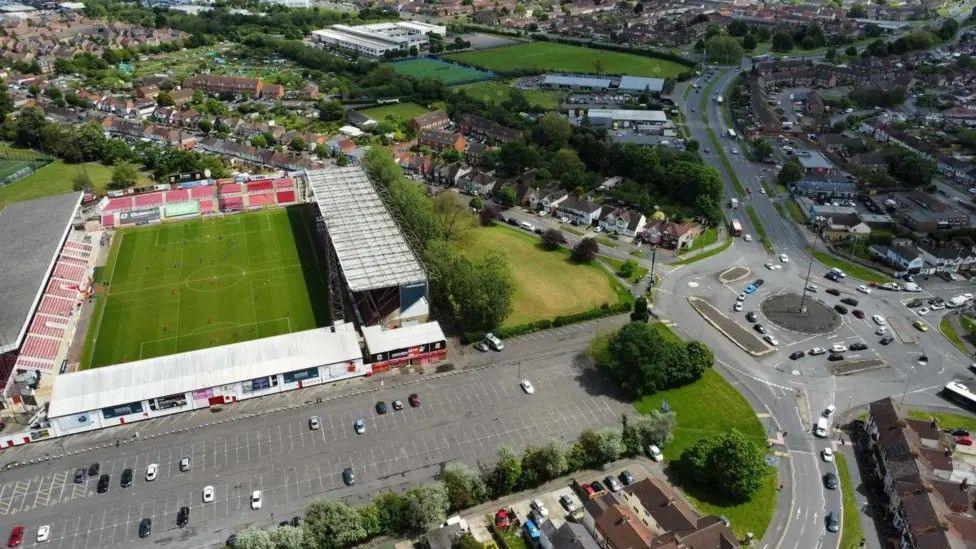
pixel 79 476
pixel 886 340
pixel 348 477
pixel 832 524
pixel 796 355
pixel 858 346
pixel 849 301
pixel 145 528
pixel 840 309
pixel 830 481
pixel 626 478
pixel 183 516
pixel 126 478
pixel 93 469
pixel 759 282
pixel 835 356
pixel 597 486
pixel 381 407
pixel 103 484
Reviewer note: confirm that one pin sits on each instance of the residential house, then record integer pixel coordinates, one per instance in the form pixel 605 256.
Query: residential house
pixel 483 129
pixel 622 221
pixel 947 256
pixel 475 151
pixel 903 255
pixel 549 201
pixel 671 235
pixel 825 189
pixel 237 86
pixel 433 120
pixel 359 120
pixel 815 165
pixel 477 182
pixel 439 140
pixel 273 91
pixel 579 210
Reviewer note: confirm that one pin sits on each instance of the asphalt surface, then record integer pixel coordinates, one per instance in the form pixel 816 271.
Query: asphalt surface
pixel 464 416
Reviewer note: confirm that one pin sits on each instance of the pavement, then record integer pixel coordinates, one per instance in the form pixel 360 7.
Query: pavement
pixel 466 414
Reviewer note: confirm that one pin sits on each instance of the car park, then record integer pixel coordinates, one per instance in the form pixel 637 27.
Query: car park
pixel 796 355
pixel 771 340
pixel 348 477
pixel 849 301
pixel 381 407
pixel 840 309
pixel 817 351
pixel 414 400
pixel 102 484
pixel 527 386
pixel 494 342
pixel 256 500
pixel 830 481
pixel 183 516
pixel 827 454
pixel 858 313
pixel 208 494
pixel 751 316
pixel 145 527
pixel 151 471
pixel 126 480
pixel 360 426
pixel 43 533
pixel 185 464
pixel 313 423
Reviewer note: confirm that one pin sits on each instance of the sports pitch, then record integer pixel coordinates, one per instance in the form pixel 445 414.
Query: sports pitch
pixel 551 56
pixel 177 287
pixel 448 73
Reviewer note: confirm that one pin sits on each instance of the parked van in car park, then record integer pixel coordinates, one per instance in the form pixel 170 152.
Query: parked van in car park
pixel 493 342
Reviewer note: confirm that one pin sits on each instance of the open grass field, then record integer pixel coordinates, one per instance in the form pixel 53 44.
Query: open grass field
pixel 851 269
pixel 399 111
pixel 851 534
pixel 550 56
pixel 448 73
pixel 56 178
pixel 946 420
pixel 495 92
pixel 183 286
pixel 547 283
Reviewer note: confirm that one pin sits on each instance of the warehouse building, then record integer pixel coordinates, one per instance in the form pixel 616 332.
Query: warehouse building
pixel 626 118
pixel 134 391
pixel 377 39
pixel 602 84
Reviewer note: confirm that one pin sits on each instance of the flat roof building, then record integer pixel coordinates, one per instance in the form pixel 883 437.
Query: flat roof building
pixel 625 118
pixel 599 83
pixel 377 39
pixel 33 232
pixel 637 84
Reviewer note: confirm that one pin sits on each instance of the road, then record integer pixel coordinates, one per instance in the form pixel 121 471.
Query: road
pixel 464 416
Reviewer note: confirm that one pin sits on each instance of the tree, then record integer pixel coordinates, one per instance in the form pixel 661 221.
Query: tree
pixel 465 487
pixel 6 104
pixel 761 148
pixel 948 29
pixel 857 11
pixel 28 127
pixel 727 462
pixel 332 524
pixel 123 176
pixel 911 169
pixel 259 141
pixel 479 291
pixel 453 216
pixel 627 268
pixel 850 51
pixel 724 49
pixel 552 239
pixel 254 538
pixel 700 45
pixel 655 428
pixel 372 520
pixel 489 215
pixel 543 464
pixel 585 250
pixel 791 172
pixel 749 42
pixel 643 360
pixel 391 511
pixel 515 157
pixel 331 111
pixel 782 42
pixel 298 144
pixel 506 196
pixel 700 358
pixel 287 537
pixel 164 99
pixel 830 54
pixel 640 312
pixel 426 506
pixel 504 478
pixel 553 130
pixel 476 203
pixel 602 446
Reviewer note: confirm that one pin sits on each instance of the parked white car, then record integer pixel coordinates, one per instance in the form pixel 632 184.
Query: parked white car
pixel 655 453
pixel 256 501
pixel 817 351
pixel 43 533
pixel 747 237
pixel 923 311
pixel 152 471
pixel 527 386
pixel 864 289
pixel 827 454
pixel 784 258
pixel 879 320
pixel 882 330
pixel 208 494
pixel 771 340
pixel 838 348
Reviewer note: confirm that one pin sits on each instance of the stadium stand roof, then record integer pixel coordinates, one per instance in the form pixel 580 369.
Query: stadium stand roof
pixel 33 232
pixel 595 82
pixel 640 83
pixel 372 251
pixel 379 340
pixel 96 388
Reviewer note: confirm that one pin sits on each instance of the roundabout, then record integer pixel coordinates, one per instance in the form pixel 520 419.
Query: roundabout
pixel 804 315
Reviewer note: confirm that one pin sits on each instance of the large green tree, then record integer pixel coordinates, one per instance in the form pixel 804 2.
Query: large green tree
pixel 723 49
pixel 426 506
pixel 552 130
pixel 504 478
pixel 465 487
pixel 333 525
pixel 726 462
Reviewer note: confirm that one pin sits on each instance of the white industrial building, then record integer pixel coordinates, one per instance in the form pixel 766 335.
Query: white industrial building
pixel 626 118
pixel 377 39
pixel 133 391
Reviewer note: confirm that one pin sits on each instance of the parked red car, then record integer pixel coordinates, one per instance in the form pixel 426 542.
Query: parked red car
pixel 858 313
pixel 501 519
pixel 965 440
pixel 588 489
pixel 16 536
pixel 414 400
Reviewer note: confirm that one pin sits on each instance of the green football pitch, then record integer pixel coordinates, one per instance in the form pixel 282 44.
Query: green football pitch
pixel 177 287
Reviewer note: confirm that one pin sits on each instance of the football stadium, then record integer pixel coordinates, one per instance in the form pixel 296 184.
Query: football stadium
pixel 205 293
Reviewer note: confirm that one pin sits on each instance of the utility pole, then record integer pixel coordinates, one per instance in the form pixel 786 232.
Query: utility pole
pixel 803 296
pixel 653 262
pixel 907 384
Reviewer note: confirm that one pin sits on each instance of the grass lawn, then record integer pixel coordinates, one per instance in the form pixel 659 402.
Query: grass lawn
pixel 708 406
pixel 948 330
pixel 851 269
pixel 851 536
pixel 946 421
pixel 448 73
pixel 705 255
pixel 543 56
pixel 496 93
pixel 547 283
pixel 795 212
pixel 56 178
pixel 183 286
pixel 707 238
pixel 399 111
pixel 639 272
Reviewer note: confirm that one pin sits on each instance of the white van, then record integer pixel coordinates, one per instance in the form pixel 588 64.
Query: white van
pixel 823 424
pixel 838 272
